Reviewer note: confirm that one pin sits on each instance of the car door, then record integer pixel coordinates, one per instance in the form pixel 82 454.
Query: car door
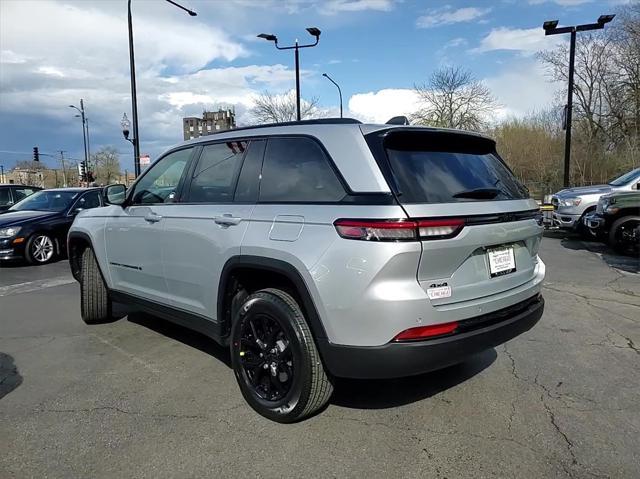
pixel 133 235
pixel 206 227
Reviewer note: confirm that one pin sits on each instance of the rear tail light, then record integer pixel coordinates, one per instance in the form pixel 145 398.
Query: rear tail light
pixel 425 332
pixel 445 228
pixel 398 230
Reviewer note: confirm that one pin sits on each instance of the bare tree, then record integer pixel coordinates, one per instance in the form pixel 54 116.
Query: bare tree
pixel 606 97
pixel 453 98
pixel 273 108
pixel 107 165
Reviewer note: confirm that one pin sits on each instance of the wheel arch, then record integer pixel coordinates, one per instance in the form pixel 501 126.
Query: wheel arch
pixel 77 242
pixel 238 274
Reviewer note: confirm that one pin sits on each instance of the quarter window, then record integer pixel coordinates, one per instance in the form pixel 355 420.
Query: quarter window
pixel 297 170
pixel 215 175
pixel 160 182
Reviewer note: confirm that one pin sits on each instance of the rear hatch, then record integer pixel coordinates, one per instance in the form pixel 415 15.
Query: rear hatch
pixel 479 229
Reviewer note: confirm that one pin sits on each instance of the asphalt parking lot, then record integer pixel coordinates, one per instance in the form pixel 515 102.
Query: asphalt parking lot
pixel 143 398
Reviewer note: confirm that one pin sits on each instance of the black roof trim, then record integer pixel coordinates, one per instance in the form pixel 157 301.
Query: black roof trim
pixel 318 121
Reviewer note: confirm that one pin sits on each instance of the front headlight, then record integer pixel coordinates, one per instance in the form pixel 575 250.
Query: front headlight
pixel 9 232
pixel 569 202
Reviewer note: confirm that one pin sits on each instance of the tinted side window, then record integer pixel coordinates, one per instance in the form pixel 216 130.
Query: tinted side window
pixel 21 193
pixel 247 189
pixel 297 170
pixel 159 184
pixel 5 197
pixel 89 200
pixel 214 177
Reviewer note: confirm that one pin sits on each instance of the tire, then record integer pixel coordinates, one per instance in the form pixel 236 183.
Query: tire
pixel 275 359
pixel 95 306
pixel 40 249
pixel 616 230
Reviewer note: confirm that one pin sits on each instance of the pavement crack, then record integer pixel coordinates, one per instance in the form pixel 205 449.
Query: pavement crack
pixel 589 299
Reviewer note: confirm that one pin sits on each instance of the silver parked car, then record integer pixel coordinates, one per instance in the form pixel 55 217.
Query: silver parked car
pixel 321 249
pixel 572 205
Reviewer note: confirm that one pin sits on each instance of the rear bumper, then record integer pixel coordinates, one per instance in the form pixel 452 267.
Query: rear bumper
pixel 398 359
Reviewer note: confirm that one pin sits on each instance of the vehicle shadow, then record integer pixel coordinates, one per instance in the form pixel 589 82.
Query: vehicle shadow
pixel 575 242
pixel 350 393
pixel 186 336
pixel 389 393
pixel 10 378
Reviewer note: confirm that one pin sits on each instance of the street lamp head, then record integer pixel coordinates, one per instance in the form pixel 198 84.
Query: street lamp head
pixel 192 13
pixel 125 123
pixel 314 31
pixel 268 37
pixel 602 19
pixel 325 75
pixel 550 25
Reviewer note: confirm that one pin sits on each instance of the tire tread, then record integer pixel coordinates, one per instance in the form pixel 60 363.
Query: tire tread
pixel 95 305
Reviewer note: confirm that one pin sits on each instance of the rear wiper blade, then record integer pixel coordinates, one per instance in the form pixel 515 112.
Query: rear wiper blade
pixel 478 193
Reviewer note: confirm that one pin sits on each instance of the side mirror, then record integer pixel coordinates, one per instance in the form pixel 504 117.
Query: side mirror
pixel 76 211
pixel 115 194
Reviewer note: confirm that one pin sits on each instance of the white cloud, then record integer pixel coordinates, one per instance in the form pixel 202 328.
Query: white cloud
pixel 447 16
pixel 333 7
pixel 564 3
pixel 522 88
pixel 526 40
pixel 380 106
pixel 79 50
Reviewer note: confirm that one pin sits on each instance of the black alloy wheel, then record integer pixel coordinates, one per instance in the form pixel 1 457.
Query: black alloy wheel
pixel 275 360
pixel 266 357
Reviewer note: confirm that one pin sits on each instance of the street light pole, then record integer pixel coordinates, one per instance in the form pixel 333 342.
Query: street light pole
pixel 297 62
pixel 135 141
pixel 296 47
pixel 84 131
pixel 134 98
pixel 551 28
pixel 339 90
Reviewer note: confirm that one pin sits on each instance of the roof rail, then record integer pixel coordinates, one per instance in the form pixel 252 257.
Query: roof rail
pixel 317 121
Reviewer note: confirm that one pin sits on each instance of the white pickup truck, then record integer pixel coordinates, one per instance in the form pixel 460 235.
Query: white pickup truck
pixel 572 204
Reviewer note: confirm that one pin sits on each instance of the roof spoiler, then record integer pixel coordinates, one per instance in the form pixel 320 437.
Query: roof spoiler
pixel 398 120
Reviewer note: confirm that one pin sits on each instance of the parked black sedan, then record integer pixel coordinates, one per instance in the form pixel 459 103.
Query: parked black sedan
pixel 36 227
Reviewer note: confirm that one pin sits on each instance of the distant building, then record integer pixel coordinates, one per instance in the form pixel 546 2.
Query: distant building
pixel 211 122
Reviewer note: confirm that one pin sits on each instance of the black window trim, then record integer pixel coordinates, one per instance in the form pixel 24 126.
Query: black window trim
pixel 179 189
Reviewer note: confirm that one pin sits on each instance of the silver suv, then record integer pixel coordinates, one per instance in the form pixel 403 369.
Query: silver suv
pixel 321 249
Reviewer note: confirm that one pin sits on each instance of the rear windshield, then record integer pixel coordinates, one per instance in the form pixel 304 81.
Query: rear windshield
pixel 449 168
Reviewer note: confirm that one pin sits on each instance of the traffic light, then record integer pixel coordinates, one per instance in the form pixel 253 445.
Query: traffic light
pixel 82 170
pixel 36 154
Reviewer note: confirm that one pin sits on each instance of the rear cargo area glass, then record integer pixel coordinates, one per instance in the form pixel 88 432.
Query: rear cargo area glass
pixel 449 168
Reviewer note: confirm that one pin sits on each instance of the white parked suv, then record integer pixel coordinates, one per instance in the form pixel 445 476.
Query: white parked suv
pixel 321 249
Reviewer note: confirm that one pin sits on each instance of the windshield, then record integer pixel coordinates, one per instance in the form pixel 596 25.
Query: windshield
pixel 626 178
pixel 46 201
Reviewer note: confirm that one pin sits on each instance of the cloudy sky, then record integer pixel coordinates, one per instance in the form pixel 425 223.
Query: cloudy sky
pixel 54 52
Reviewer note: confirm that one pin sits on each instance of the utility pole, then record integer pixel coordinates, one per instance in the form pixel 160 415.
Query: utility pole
pixel 1 173
pixel 64 173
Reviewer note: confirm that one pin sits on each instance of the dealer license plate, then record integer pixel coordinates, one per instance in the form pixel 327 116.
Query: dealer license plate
pixel 501 261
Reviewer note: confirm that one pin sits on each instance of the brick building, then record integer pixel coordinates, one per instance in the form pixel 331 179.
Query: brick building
pixel 211 122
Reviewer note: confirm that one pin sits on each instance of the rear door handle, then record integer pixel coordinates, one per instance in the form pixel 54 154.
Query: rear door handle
pixel 227 220
pixel 152 217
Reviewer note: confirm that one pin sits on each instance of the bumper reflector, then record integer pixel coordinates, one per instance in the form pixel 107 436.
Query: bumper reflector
pixel 424 332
